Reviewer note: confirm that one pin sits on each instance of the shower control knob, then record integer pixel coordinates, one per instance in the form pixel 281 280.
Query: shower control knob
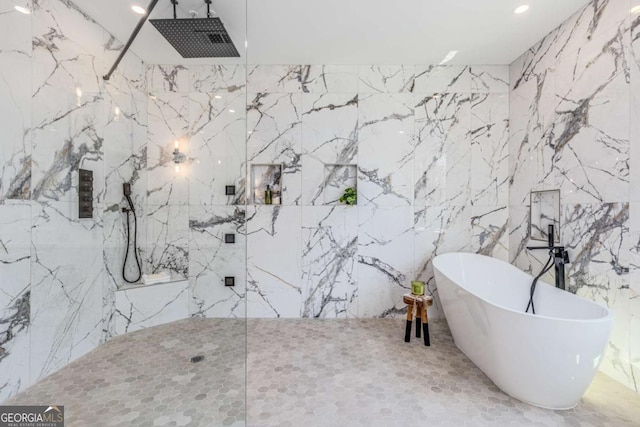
pixel 85 193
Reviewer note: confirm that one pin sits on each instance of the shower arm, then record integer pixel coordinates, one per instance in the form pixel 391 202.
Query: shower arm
pixel 152 5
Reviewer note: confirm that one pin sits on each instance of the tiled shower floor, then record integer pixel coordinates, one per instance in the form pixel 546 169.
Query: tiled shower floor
pixel 300 373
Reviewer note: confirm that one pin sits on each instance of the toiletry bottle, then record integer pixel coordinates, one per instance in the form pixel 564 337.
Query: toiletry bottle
pixel 267 196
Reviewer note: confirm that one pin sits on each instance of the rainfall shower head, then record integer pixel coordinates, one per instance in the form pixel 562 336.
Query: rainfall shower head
pixel 197 37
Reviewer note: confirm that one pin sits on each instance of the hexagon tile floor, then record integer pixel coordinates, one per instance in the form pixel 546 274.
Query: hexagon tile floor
pixel 305 372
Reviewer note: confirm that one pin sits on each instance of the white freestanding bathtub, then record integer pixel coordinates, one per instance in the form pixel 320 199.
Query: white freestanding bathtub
pixel 548 359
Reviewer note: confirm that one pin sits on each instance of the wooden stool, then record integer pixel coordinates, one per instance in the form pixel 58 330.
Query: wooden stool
pixel 421 302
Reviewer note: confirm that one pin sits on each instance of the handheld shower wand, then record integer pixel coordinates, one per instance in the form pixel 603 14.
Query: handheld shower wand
pixel 126 189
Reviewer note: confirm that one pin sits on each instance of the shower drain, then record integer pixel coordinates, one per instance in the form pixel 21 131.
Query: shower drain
pixel 196 359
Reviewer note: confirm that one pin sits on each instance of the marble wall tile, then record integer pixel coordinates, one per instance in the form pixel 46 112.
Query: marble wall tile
pixel 168 122
pixel 329 78
pixel 634 293
pixel 535 66
pixel 432 79
pixel 274 261
pixel 531 262
pixel 490 231
pixel 167 78
pixel 449 228
pixel 273 79
pixel 385 259
pixel 211 260
pixel 588 23
pixel 125 149
pixel 385 149
pixel 386 78
pixel 146 306
pixel 329 267
pixel 66 286
pixel 167 244
pixel 592 118
pixel 634 135
pixel 14 363
pixel 329 137
pixel 67 135
pixel 530 154
pixel 15 297
pixel 219 79
pixel 489 78
pixel 67 47
pixel 490 149
pixel 15 152
pixel 216 147
pixel 131 74
pixel 73 23
pixel 67 101
pixel 18 25
pixel 275 137
pixel 15 91
pixel 15 250
pixel 634 227
pixel 443 152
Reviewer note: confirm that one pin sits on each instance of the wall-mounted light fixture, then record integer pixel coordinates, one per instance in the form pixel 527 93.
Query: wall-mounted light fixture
pixel 178 157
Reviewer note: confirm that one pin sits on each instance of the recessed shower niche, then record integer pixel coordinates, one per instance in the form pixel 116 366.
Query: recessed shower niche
pixel 266 177
pixel 544 210
pixel 337 178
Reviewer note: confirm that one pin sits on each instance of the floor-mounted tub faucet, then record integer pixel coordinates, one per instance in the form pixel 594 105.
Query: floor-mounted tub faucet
pixel 560 257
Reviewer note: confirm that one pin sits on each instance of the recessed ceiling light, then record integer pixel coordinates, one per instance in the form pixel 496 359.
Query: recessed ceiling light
pixel 138 9
pixel 635 10
pixel 232 111
pixel 23 9
pixel 521 9
pixel 449 57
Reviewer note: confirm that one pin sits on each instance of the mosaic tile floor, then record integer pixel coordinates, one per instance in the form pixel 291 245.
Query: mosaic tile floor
pixel 300 373
pixel 146 379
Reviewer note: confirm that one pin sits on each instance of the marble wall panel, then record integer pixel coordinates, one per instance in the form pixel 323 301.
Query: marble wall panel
pixel 274 261
pixel 329 267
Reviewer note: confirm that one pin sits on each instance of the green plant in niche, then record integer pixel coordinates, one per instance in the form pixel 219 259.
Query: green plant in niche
pixel 349 197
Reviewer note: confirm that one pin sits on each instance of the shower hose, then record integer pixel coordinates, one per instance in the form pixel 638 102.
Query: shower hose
pixel 135 242
pixel 544 271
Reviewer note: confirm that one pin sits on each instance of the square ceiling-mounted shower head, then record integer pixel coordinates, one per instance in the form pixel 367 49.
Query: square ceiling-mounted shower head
pixel 197 37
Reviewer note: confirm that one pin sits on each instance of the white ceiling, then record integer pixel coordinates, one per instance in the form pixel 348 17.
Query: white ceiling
pixel 351 31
